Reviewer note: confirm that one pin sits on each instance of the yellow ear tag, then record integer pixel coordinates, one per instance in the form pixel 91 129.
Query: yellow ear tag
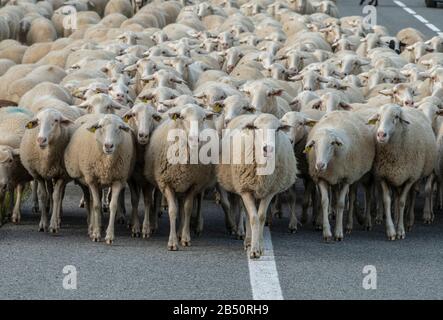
pixel 92 129
pixel 126 118
pixel 217 108
pixel 311 123
pixel 30 125
pixel 145 100
pixel 307 149
pixel 372 121
pixel 174 116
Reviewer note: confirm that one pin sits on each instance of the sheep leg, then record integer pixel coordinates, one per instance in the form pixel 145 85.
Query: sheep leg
pixel 121 210
pixel 263 207
pixel 340 206
pixel 237 212
pixel 411 211
pixel 187 212
pixel 352 206
pixel 149 212
pixel 95 213
pixel 57 198
pixel 401 210
pixel 247 240
pixel 367 213
pixel 156 213
pixel 50 191
pixel 427 210
pixel 16 212
pixel 180 217
pixel 324 191
pixel 229 217
pixel 390 230
pixel 276 208
pixel 43 196
pixel 34 189
pixel 293 222
pixel 10 205
pixel 2 198
pixel 172 211
pixel 117 187
pixel 200 220
pixel 316 213
pixel 440 195
pixel 135 199
pixel 379 205
pixel 87 198
pixel 249 203
pixel 309 186
pixel 106 196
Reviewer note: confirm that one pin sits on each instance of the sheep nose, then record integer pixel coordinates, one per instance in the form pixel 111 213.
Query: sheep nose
pixel 320 166
pixel 41 140
pixel 142 135
pixel 109 146
pixel 381 134
pixel 409 103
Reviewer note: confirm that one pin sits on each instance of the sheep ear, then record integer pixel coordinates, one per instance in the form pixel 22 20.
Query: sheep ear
pixel 275 92
pixel 177 80
pixel 439 112
pixel 310 122
pixel 284 127
pixel 65 121
pixel 250 126
pixel 127 116
pixel 386 92
pixel 250 109
pixel 93 127
pixel 309 146
pixel 209 115
pixel 117 105
pixel 373 119
pixel 156 117
pixel 296 78
pixel 345 106
pixel 32 124
pixel 404 121
pixel 338 141
pixel 174 115
pixel 218 106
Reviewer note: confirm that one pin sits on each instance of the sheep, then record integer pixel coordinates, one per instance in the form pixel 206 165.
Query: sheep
pixel 143 119
pixel 108 163
pixel 242 178
pixel 13 175
pixel 119 6
pixel 405 152
pixel 37 30
pixel 340 150
pixel 5 64
pixel 172 178
pixel 45 139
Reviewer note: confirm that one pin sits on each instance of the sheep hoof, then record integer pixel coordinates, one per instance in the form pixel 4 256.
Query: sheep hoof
pixel 172 247
pixel 81 204
pixel 15 220
pixel 348 230
pixel 35 210
pixel 135 234
pixel 327 239
pixel 409 228
pixel 185 243
pixel 338 238
pixel 401 236
pixel 146 234
pixel 254 254
pixel 292 230
pixel 391 238
pixel 109 241
pixel 53 230
pixel 378 221
pixel 427 221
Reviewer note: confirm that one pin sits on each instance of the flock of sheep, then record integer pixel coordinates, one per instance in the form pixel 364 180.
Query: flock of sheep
pixel 91 96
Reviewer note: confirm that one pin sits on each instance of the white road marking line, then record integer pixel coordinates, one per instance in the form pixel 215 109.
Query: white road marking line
pixel 421 19
pixel 263 273
pixel 409 10
pixel 432 27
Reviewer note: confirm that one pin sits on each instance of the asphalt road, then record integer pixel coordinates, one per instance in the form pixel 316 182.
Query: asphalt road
pixel 215 266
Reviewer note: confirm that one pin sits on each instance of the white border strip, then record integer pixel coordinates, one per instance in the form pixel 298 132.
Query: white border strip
pixel 263 273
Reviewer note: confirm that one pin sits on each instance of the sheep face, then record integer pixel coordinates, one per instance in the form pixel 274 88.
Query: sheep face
pixel 325 144
pixel 100 103
pixel 108 133
pixel 9 159
pixel 294 125
pixel 144 117
pixel 401 94
pixel 235 106
pixel 261 95
pixel 49 123
pixel 192 119
pixel 351 64
pixel 389 118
